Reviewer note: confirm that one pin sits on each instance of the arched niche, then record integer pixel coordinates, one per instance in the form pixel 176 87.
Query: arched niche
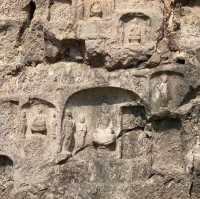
pixel 6 176
pixel 134 27
pixel 38 117
pixel 167 90
pixel 99 104
pixel 9 119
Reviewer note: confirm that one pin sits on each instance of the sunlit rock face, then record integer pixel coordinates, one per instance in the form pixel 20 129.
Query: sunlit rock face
pixel 99 99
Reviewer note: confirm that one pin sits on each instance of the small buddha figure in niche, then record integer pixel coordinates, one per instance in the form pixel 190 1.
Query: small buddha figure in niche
pixel 67 132
pixel 134 34
pixel 39 124
pixel 80 134
pixel 96 10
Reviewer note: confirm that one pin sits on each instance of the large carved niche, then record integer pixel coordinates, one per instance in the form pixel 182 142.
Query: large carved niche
pixel 167 91
pixel 9 120
pixel 6 176
pixel 39 130
pixel 101 109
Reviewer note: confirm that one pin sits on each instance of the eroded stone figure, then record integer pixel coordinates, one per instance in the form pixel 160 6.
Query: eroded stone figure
pixel 80 134
pixel 104 134
pixel 193 157
pixel 23 124
pixel 135 29
pixel 145 143
pixel 96 10
pixel 134 34
pixel 67 132
pixel 160 93
pixel 193 167
pixel 39 124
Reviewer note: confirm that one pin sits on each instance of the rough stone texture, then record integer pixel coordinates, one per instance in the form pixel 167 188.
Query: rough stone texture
pixel 99 99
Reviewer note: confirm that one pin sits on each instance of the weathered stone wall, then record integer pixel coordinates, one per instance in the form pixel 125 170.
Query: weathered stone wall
pixel 99 99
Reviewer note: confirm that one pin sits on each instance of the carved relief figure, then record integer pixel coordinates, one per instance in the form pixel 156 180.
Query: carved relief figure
pixel 39 122
pixel 144 151
pixel 23 124
pixel 104 134
pixel 193 158
pixel 96 10
pixel 38 118
pixel 134 30
pixel 67 132
pixel 145 143
pixel 193 167
pixel 80 134
pixel 160 94
pixel 134 34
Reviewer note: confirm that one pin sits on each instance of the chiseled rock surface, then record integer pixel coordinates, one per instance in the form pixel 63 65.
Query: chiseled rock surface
pixel 99 99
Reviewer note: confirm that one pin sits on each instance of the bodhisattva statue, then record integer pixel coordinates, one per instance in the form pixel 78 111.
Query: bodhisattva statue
pixel 67 133
pixel 96 10
pixel 160 93
pixel 39 122
pixel 80 134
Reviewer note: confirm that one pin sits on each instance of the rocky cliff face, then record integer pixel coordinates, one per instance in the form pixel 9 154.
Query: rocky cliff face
pixel 99 99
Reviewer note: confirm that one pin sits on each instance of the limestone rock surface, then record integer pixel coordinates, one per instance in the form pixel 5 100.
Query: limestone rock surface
pixel 99 99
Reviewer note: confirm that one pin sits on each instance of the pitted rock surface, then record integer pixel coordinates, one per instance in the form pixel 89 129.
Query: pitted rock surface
pixel 99 99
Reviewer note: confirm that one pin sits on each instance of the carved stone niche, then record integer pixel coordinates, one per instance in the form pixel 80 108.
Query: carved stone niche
pixel 38 117
pixel 101 109
pixel 6 176
pixel 9 118
pixel 98 8
pixel 135 27
pixel 167 91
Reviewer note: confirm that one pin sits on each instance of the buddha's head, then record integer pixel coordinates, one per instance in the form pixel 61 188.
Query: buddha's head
pixel 68 115
pixel 96 9
pixel 164 78
pixel 82 119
